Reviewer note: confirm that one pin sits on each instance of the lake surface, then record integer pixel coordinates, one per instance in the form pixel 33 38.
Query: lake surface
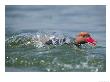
pixel 23 23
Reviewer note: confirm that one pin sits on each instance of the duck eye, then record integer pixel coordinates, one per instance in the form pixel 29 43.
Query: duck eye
pixel 88 35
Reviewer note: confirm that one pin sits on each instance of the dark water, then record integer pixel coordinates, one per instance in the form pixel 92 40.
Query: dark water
pixel 23 23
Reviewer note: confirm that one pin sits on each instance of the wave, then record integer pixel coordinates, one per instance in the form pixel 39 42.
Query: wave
pixel 27 50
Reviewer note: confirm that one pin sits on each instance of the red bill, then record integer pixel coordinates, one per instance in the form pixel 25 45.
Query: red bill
pixel 91 41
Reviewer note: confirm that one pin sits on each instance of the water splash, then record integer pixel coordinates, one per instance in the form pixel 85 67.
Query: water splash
pixel 34 39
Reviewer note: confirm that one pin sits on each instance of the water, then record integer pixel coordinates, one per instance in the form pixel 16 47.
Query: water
pixel 23 53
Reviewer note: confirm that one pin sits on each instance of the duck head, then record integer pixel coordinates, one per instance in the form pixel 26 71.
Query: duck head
pixel 85 37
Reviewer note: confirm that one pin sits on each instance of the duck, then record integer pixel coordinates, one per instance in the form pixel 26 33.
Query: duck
pixel 80 38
